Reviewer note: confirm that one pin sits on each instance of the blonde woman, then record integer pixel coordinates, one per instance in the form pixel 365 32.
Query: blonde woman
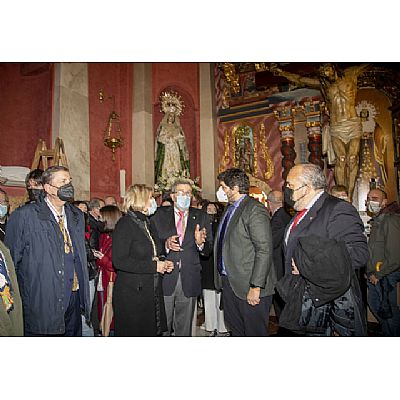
pixel 136 254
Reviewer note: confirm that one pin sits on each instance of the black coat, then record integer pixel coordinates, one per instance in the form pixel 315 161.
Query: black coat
pixel 331 218
pixel 138 300
pixel 279 222
pixel 164 222
pixel 95 231
pixel 207 263
pixel 37 248
pixel 325 296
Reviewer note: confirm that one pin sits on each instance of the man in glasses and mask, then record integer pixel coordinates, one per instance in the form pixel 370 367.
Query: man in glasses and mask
pixel 324 243
pixel 46 241
pixel 186 232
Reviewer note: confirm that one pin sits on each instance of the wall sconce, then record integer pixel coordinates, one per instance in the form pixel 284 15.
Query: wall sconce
pixel 112 133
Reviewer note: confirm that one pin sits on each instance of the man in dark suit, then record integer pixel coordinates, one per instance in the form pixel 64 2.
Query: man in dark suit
pixel 243 258
pixel 279 220
pixel 186 232
pixel 46 242
pixel 323 215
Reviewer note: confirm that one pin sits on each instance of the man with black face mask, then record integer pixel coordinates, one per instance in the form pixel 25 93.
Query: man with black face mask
pixel 33 184
pixel 322 216
pixel 46 241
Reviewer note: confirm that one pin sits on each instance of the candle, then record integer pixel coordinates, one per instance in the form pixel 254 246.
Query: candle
pixel 122 182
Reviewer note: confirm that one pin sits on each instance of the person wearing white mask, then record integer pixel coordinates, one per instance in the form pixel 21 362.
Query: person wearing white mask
pixel 186 233
pixel 221 195
pixel 138 259
pixel 243 258
pixel 383 268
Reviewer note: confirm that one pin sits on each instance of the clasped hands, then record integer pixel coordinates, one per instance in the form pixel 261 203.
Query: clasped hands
pixel 164 266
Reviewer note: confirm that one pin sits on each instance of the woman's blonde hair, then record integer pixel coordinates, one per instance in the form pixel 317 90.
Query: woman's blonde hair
pixel 136 197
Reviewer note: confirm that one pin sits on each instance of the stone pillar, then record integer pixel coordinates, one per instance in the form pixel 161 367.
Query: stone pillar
pixel 142 126
pixel 70 122
pixel 208 132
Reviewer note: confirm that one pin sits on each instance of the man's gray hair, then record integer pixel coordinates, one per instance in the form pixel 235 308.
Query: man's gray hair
pixel 313 175
pixel 94 203
pixel 180 181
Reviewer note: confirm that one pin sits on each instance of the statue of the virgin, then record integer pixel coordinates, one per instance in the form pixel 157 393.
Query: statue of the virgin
pixel 171 154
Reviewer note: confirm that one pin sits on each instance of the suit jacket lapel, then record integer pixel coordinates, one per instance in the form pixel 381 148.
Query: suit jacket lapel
pixel 190 226
pixel 309 217
pixel 236 216
pixel 171 221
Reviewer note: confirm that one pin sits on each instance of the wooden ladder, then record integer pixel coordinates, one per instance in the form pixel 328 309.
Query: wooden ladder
pixel 48 157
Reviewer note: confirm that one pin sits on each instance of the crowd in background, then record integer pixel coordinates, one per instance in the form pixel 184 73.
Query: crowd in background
pixel 98 268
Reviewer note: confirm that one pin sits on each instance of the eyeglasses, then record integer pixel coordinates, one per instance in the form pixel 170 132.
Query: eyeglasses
pixel 4 203
pixel 180 193
pixel 288 185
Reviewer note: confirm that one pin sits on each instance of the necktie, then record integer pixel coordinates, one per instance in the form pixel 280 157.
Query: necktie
pixel 68 248
pixel 221 237
pixel 179 226
pixel 297 218
pixel 67 240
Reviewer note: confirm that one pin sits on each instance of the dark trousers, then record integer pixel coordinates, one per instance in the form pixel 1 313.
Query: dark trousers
pixel 241 318
pixel 72 318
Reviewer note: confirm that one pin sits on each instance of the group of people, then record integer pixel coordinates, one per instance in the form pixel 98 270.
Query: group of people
pixel 63 262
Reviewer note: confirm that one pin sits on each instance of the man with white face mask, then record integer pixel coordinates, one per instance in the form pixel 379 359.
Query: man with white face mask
pixel 186 232
pixel 243 258
pixel 383 266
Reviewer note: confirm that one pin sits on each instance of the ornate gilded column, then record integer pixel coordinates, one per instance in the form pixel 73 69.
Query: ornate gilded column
pixel 312 111
pixel 284 115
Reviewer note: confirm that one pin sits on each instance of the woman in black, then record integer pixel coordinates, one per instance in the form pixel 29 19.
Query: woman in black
pixel 138 300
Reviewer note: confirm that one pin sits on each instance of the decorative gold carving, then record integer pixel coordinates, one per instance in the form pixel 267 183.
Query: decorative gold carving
pixel 244 147
pixel 269 165
pixel 225 98
pixel 255 160
pixel 312 111
pixel 231 77
pixel 234 142
pixel 260 67
pixel 225 159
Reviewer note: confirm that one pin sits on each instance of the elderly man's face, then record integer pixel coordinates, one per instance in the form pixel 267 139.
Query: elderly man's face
pixel 299 189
